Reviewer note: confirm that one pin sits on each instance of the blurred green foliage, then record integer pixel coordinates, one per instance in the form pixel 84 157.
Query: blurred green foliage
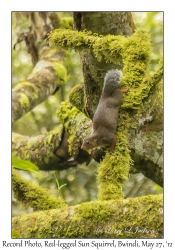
pixel 77 185
pixel 24 165
pixel 152 22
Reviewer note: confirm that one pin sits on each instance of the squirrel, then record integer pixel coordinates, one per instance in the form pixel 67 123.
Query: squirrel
pixel 104 121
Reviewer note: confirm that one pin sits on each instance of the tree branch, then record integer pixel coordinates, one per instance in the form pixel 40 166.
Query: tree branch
pixel 48 73
pixel 33 195
pixel 107 219
pixel 48 151
pixel 42 150
pixel 46 77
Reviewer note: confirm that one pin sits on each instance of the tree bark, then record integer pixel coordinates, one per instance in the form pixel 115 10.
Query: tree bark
pixel 51 151
pixel 151 163
pixel 48 74
pixel 34 196
pixel 48 152
pixel 102 23
pixel 95 219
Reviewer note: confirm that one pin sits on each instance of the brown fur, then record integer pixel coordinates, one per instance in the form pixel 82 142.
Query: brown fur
pixel 106 115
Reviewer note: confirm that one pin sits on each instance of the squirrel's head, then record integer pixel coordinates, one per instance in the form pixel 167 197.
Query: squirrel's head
pixel 90 142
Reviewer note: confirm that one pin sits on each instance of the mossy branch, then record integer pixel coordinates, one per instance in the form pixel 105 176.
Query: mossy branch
pixel 34 196
pixel 48 151
pixel 109 47
pixel 79 127
pixel 75 123
pixel 112 48
pixel 114 169
pixel 46 77
pixel 118 165
pixel 140 217
pixel 39 149
pixel 131 52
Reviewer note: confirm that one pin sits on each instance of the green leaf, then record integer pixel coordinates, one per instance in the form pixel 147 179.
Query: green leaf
pixel 24 165
pixel 57 182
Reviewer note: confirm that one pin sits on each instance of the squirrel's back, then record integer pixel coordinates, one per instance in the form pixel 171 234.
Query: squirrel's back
pixel 106 115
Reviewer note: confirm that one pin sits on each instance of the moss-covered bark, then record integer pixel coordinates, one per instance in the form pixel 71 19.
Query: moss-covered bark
pixel 142 217
pixel 146 134
pixel 40 149
pixel 135 53
pixel 33 195
pixel 47 75
pixel 45 78
pixel 114 23
pixel 76 124
pixel 132 218
pixel 101 23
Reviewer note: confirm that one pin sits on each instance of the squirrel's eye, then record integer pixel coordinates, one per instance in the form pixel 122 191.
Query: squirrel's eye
pixel 87 142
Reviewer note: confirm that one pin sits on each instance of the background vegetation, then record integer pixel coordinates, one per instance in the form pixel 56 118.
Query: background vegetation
pixel 74 185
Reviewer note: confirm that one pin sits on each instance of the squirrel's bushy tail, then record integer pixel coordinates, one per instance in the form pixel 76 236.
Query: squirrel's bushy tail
pixel 114 76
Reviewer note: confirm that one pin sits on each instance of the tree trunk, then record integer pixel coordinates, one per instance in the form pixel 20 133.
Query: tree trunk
pixel 102 23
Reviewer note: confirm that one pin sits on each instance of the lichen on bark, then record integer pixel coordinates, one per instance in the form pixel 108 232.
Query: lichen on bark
pixel 132 218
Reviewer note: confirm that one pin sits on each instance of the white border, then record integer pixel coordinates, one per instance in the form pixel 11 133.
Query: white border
pixel 5 93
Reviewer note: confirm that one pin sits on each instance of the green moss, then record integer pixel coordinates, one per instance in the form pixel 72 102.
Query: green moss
pixel 136 57
pixel 37 197
pixel 69 38
pixel 15 234
pixel 97 210
pixel 133 53
pixel 24 101
pixel 29 84
pixel 61 72
pixel 108 47
pixel 28 92
pixel 107 219
pixel 114 169
pixel 76 97
pixel 73 120
pixel 48 140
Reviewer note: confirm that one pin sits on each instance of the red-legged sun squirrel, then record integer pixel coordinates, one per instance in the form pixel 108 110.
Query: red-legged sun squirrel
pixel 105 117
